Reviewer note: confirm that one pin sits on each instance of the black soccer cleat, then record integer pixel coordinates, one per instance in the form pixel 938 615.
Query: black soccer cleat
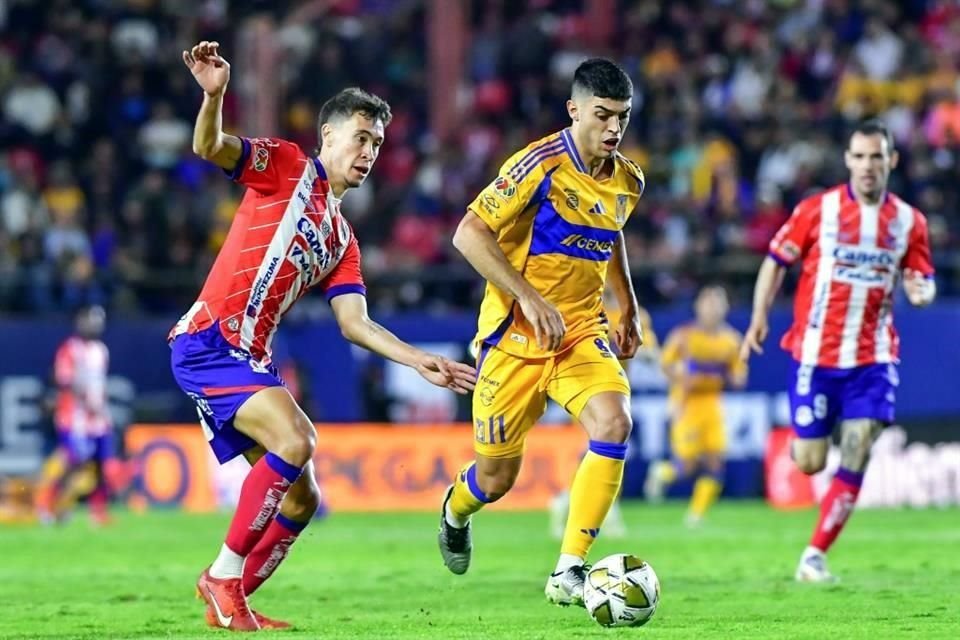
pixel 456 545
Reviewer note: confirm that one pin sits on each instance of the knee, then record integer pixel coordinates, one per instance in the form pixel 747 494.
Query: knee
pixel 495 484
pixel 299 443
pixel 808 461
pixel 615 428
pixel 855 443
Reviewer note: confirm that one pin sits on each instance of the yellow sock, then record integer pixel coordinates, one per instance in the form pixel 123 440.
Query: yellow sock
pixel 705 493
pixel 467 497
pixel 594 489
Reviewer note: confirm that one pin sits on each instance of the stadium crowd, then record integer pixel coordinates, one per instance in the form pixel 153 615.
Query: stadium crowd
pixel 740 110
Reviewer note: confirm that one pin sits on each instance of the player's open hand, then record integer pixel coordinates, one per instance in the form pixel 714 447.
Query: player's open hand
pixel 456 376
pixel 753 340
pixel 917 288
pixel 629 335
pixel 210 69
pixel 548 325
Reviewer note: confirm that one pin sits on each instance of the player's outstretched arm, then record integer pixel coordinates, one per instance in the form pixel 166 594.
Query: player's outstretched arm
pixel 769 280
pixel 212 73
pixel 629 332
pixel 478 244
pixel 356 326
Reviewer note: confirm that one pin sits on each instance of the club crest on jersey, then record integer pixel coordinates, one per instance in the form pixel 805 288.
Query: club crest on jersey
pixel 260 159
pixel 506 188
pixel 621 213
pixel 572 199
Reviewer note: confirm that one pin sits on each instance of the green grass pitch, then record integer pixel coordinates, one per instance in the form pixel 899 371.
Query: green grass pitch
pixel 380 576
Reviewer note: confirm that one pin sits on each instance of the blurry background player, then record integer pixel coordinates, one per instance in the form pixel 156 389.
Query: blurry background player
pixel 288 236
pixel 700 359
pixel 614 525
pixel 82 422
pixel 853 242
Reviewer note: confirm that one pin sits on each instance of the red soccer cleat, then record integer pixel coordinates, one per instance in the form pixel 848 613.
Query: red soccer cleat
pixel 262 620
pixel 226 601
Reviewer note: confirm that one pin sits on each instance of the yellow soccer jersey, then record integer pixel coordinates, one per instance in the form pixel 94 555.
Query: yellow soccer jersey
pixel 709 359
pixel 557 225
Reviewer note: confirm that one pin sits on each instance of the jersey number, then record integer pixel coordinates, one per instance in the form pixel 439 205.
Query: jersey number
pixel 490 431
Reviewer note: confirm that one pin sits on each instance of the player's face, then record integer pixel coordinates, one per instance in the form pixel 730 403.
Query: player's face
pixel 354 144
pixel 600 124
pixel 711 307
pixel 90 323
pixel 870 160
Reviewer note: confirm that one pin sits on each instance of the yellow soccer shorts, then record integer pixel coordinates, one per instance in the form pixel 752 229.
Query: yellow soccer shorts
pixel 697 429
pixel 512 392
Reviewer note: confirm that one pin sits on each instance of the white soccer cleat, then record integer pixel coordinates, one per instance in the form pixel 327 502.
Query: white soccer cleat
pixel 566 587
pixel 813 567
pixel 692 520
pixel 655 485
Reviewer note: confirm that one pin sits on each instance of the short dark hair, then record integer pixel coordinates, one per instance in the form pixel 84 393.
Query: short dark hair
pixel 603 78
pixel 872 127
pixel 354 100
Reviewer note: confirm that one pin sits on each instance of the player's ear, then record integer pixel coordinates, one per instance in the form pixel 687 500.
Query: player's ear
pixel 326 130
pixel 573 111
pixel 894 159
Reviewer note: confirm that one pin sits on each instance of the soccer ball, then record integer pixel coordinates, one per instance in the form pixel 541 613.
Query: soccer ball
pixel 621 591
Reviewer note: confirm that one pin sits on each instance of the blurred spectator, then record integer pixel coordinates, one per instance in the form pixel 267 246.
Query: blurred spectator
pixel 740 110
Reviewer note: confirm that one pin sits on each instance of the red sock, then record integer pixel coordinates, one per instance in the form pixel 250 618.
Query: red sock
pixel 270 551
pixel 98 500
pixel 260 499
pixel 836 508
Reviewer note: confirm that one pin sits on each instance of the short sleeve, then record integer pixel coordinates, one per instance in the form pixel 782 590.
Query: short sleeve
pixel 265 164
pixel 63 366
pixel 346 277
pixel 515 188
pixel 917 256
pixel 792 241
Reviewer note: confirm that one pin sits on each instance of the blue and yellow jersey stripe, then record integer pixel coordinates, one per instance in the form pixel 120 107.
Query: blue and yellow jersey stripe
pixel 709 360
pixel 558 226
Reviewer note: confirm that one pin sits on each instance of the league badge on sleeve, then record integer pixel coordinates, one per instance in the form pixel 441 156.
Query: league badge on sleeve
pixel 506 188
pixel 260 159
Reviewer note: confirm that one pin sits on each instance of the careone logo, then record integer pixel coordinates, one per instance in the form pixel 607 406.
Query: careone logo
pixel 587 244
pixel 260 288
pixel 316 240
pixel 864 256
pixel 863 265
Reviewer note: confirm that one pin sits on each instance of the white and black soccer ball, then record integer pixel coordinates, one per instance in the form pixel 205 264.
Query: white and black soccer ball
pixel 621 591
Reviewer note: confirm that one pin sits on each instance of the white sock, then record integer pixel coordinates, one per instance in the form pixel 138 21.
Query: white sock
pixel 227 565
pixel 812 551
pixel 566 561
pixel 453 519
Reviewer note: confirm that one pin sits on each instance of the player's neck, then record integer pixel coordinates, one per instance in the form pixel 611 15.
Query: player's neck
pixel 868 199
pixel 338 185
pixel 597 167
